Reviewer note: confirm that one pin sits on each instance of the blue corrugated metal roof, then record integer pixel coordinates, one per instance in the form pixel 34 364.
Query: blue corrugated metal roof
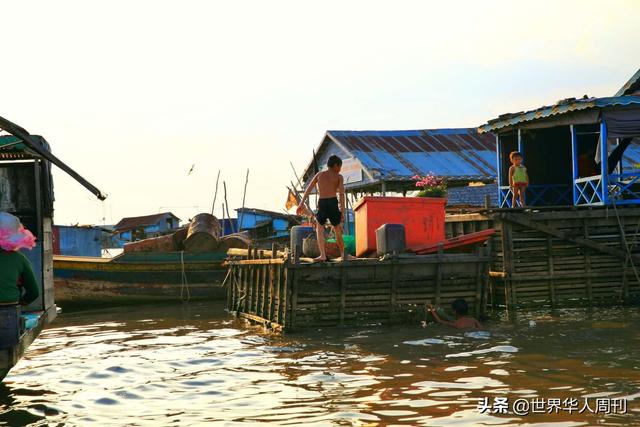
pixel 631 157
pixel 457 154
pixel 562 107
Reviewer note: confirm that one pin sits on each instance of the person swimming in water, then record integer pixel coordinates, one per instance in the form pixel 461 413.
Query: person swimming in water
pixel 461 311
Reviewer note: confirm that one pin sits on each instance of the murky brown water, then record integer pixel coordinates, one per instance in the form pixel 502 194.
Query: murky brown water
pixel 192 365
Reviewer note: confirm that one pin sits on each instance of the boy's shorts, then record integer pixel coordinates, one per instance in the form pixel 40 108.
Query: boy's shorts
pixel 328 209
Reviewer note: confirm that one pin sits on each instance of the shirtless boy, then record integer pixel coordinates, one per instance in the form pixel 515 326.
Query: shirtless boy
pixel 331 205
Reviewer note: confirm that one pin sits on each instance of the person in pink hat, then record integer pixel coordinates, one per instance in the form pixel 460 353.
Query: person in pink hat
pixel 18 285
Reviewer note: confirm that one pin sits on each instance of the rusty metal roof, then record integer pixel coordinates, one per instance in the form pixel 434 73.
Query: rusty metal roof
pixel 630 87
pixel 131 223
pixel 456 154
pixel 562 107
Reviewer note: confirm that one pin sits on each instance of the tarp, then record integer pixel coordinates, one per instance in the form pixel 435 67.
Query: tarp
pixel 622 123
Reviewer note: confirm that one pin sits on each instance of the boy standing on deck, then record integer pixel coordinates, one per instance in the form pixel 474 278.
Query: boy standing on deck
pixel 330 207
pixel 518 178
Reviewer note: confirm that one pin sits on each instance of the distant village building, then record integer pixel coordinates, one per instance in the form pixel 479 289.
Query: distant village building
pixel 228 225
pixel 263 224
pixel 387 161
pixel 135 228
pixel 74 240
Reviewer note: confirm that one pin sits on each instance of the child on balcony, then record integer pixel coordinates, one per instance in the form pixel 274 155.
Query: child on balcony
pixel 518 178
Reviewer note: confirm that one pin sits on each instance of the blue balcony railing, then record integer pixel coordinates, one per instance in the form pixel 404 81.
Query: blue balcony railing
pixel 539 195
pixel 624 188
pixel 588 191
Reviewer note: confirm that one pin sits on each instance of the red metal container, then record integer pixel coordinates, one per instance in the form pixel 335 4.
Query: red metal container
pixel 422 217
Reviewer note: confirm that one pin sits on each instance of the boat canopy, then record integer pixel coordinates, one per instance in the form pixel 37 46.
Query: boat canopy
pixel 32 143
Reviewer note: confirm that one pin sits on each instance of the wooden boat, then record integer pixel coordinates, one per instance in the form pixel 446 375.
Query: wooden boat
pixel 135 277
pixel 464 243
pixel 25 180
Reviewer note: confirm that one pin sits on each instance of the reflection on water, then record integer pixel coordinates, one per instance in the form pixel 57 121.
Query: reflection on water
pixel 192 365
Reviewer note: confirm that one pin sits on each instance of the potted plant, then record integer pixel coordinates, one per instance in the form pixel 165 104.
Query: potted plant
pixel 430 186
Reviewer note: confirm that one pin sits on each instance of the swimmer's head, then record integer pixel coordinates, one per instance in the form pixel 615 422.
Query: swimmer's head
pixel 460 307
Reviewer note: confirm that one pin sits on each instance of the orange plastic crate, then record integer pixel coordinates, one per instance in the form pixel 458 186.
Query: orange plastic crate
pixel 422 217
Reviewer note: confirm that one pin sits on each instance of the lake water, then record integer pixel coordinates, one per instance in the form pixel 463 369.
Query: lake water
pixel 193 365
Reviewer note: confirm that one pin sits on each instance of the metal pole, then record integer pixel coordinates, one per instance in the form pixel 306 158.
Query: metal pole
pixel 604 169
pixel 574 160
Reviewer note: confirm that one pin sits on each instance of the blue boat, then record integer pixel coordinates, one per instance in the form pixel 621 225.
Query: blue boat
pixel 27 192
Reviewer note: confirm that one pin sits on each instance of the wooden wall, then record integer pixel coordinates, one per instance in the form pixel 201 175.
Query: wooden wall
pixel 286 295
pixel 565 257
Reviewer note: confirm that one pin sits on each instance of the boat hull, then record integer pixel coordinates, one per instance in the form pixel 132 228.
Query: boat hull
pixel 138 278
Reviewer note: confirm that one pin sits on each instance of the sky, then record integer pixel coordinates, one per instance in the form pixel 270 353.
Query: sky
pixel 131 94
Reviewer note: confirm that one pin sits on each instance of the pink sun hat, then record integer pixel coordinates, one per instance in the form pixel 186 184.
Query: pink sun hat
pixel 13 235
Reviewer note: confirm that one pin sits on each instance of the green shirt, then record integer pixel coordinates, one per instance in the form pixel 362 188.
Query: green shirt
pixel 520 174
pixel 15 266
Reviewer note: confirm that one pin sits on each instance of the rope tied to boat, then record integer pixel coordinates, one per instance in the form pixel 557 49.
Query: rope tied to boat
pixel 185 291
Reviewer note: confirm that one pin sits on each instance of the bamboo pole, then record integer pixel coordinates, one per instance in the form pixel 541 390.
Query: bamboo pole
pixel 223 219
pixel 296 175
pixel 244 194
pixel 224 185
pixel 215 195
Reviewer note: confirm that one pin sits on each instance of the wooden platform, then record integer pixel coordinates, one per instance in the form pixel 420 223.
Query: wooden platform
pixel 561 257
pixel 285 294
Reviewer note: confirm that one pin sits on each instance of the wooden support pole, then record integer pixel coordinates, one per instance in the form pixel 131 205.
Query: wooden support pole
pixel 230 290
pixel 625 279
pixel 224 185
pixel 550 267
pixel 271 292
pixel 282 314
pixel 343 289
pixel 278 297
pixel 587 262
pixel 215 195
pixel 479 276
pixel 294 300
pixel 244 195
pixel 393 292
pixel 265 291
pixel 507 250
pixel 439 274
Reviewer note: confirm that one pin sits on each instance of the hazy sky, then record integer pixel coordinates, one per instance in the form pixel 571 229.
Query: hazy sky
pixel 132 93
